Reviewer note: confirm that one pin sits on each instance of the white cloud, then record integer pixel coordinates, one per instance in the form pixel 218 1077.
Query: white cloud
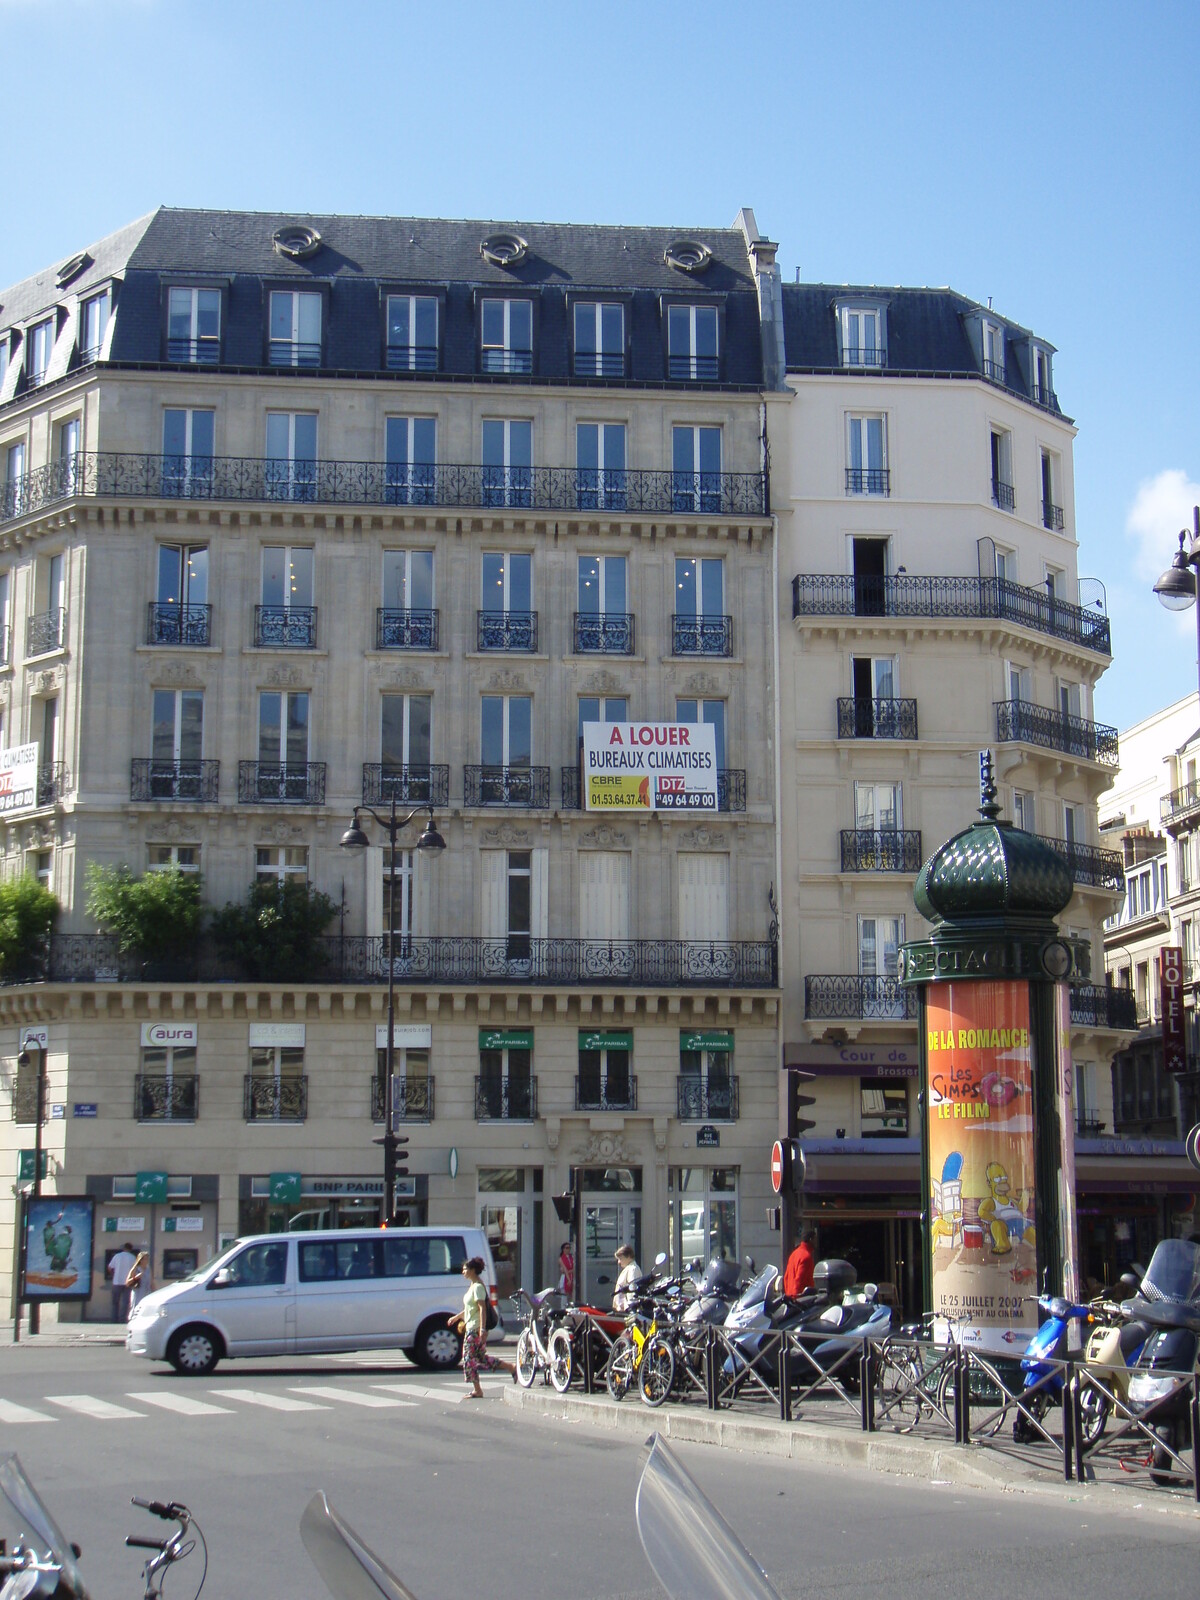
pixel 1162 506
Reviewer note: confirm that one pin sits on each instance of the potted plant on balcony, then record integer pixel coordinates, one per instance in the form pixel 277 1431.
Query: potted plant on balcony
pixel 155 920
pixel 274 935
pixel 27 913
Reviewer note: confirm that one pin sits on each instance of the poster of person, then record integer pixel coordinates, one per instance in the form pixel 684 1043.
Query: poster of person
pixel 58 1247
pixel 982 1233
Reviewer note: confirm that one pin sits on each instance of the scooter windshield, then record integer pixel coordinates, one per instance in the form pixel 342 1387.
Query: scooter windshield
pixel 694 1552
pixel 350 1568
pixel 24 1518
pixel 1174 1272
pixel 757 1292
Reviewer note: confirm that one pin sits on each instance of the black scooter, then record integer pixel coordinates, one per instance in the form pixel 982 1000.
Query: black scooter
pixel 1169 1302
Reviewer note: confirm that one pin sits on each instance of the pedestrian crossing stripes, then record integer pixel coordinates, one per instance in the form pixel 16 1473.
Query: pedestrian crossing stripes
pixel 10 1411
pixel 88 1406
pixel 182 1405
pixel 353 1397
pixel 295 1398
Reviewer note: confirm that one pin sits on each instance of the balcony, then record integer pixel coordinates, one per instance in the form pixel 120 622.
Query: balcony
pixel 706 1099
pixel 53 781
pixel 863 999
pixel 994 370
pixel 868 480
pixel 274 1099
pixel 863 718
pixel 411 358
pixel 507 630
pixel 405 630
pixel 285 627
pixel 408 786
pixel 1045 397
pixel 1096 1005
pixel 843 595
pixel 268 784
pixel 611 1094
pixel 1089 1127
pixel 45 631
pixel 179 624
pixel 293 353
pixel 507 786
pixel 599 363
pixel 701 636
pixel 194 781
pixel 1052 516
pixel 602 489
pixel 1089 866
pixel 159 1097
pixel 412 1099
pixel 1003 494
pixel 195 352
pixel 881 850
pixel 497 359
pixel 696 369
pixel 450 959
pixel 731 789
pixel 603 633
pixel 1055 730
pixel 505 1100
pixel 1178 806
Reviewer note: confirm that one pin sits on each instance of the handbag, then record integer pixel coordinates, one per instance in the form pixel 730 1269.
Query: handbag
pixel 491 1317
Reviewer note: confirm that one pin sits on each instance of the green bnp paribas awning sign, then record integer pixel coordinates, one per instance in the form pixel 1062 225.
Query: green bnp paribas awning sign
pixel 605 1041
pixel 506 1038
pixel 150 1188
pixel 285 1188
pixel 705 1041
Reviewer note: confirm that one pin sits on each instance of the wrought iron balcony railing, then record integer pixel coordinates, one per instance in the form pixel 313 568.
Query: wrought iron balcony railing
pixel 701 636
pixel 405 630
pixel 854 355
pixel 599 363
pixel 53 782
pixel 268 784
pixel 868 480
pixel 274 1099
pixel 494 359
pixel 174 780
pixel 450 960
pixel 707 1099
pixel 866 998
pixel 1042 396
pixel 1003 495
pixel 842 595
pixel 1052 516
pixel 117 475
pixel 285 627
pixel 293 353
pixel 613 1094
pixel 881 850
pixel 994 370
pixel 863 718
pixel 1055 730
pixel 45 631
pixel 1088 865
pixel 505 1099
pixel 699 369
pixel 412 1099
pixel 411 357
pixel 195 352
pixel 507 630
pixel 731 789
pixel 159 1097
pixel 1089 1127
pixel 174 624
pixel 507 786
pixel 411 786
pixel 1096 1005
pixel 604 633
pixel 1180 803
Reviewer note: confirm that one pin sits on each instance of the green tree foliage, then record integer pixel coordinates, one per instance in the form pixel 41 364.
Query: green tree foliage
pixel 27 913
pixel 156 916
pixel 273 936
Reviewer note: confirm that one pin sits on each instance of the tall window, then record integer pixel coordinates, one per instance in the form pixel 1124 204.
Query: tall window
pixel 866 455
pixel 407 619
pixel 411 450
pixel 506 336
pixel 862 336
pixel 412 332
pixel 283 721
pixel 692 342
pixel 993 351
pixel 711 712
pixel 1019 682
pixel 602 621
pixel 16 488
pixel 1052 511
pixel 41 348
pixel 507 463
pixel 194 326
pixel 178 740
pixel 699 624
pixel 5 618
pixel 696 469
pixel 183 575
pixel 600 459
pixel 187 452
pixel 291 469
pixel 506 731
pixel 879 941
pixel 295 339
pixel 877 807
pixel 599 340
pixel 1003 493
pixel 406 736
pixel 1024 810
pixel 604 1076
pixel 287 577
pixel 508 621
pixel 1043 383
pixel 93 326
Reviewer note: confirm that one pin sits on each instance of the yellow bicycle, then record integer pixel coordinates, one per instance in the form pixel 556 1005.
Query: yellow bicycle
pixel 639 1355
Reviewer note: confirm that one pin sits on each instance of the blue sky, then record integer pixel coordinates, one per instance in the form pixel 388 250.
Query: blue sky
pixel 1043 154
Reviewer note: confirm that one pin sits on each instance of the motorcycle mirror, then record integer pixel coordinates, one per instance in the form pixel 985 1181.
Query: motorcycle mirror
pixel 750 1264
pixel 660 1259
pixel 351 1570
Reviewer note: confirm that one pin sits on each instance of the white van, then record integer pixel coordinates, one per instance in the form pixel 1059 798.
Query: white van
pixel 284 1294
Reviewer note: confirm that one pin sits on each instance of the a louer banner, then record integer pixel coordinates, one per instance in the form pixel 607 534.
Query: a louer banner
pixel 649 766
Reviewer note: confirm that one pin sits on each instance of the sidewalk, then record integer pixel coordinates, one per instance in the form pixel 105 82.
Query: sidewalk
pixel 63 1335
pixel 827 1445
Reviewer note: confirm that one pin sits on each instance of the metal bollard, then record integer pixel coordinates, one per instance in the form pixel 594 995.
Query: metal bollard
pixel 710 1369
pixel 866 1389
pixel 1070 1383
pixel 588 1374
pixel 785 1393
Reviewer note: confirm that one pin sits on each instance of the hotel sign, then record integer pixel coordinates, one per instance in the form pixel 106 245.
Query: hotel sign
pixel 1174 1040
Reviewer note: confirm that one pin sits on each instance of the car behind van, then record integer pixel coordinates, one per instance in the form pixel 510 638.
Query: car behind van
pixel 314 1293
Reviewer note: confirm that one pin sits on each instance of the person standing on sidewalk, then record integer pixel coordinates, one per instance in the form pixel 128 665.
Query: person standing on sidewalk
pixel 798 1274
pixel 472 1324
pixel 119 1269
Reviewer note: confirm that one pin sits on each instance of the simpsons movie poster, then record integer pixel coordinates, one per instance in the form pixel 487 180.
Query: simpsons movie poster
pixel 982 1235
pixel 58 1248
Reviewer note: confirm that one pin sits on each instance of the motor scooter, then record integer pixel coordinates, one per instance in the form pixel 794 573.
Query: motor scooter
pixel 716 1293
pixel 1169 1302
pixel 1041 1369
pixel 1112 1351
pixel 764 1312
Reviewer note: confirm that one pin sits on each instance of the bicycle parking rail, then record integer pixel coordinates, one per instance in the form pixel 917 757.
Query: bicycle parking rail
pixel 1135 1430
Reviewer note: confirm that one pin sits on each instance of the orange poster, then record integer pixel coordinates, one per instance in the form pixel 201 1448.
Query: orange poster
pixel 981 1209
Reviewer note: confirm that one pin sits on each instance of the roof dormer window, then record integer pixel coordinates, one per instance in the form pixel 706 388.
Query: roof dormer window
pixel 506 336
pixel 862 337
pixel 693 335
pixel 93 325
pixel 993 351
pixel 41 347
pixel 1043 379
pixel 295 329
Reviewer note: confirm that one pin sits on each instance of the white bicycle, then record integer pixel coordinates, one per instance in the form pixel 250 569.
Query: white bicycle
pixel 544 1344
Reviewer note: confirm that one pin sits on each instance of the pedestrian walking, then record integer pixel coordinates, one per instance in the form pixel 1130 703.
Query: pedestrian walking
pixel 118 1270
pixel 566 1270
pixel 472 1324
pixel 138 1281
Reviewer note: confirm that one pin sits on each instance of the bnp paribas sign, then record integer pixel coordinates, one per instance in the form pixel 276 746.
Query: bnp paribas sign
pixel 649 766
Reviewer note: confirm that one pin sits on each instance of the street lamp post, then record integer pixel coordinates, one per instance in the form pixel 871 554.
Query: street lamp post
pixel 353 841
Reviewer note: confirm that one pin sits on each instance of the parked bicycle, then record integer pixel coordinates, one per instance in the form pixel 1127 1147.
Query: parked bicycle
pixel 544 1344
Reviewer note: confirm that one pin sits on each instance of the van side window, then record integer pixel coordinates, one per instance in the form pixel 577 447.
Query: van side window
pixel 423 1255
pixel 258 1264
pixel 318 1263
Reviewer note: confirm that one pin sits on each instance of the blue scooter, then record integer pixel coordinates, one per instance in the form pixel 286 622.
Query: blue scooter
pixel 1040 1365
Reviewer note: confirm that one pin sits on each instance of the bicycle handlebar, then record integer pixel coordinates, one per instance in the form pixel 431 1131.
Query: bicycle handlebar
pixel 145 1544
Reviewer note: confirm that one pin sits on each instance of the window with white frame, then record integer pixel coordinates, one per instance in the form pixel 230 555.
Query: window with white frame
pixel 599 340
pixel 861 329
pixel 5 618
pixel 173 857
pixel 602 619
pixel 506 335
pixel 1052 511
pixel 507 462
pixel 410 451
pixel 1043 377
pixel 41 348
pixel 1024 810
pixel 283 730
pixel 41 866
pixel 866 454
pixel 5 352
pixel 600 463
pixel 1006 565
pixel 692 342
pixel 295 328
pixel 93 324
pixel 879 941
pixel 1074 822
pixel 1003 493
pixel 194 326
pixel 177 742
pixel 188 437
pixel 291 468
pixel 1070 699
pixel 993 351
pixel 287 577
pixel 407 619
pixel 1018 681
pixel 696 469
pixel 711 712
pixel 16 486
pixel 507 586
pixel 513 898
pixel 877 807
pixel 412 332
pixel 286 863
pixel 167 1083
pixel 506 730
pixel 406 742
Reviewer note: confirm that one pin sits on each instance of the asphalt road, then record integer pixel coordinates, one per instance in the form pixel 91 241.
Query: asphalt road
pixel 473 1498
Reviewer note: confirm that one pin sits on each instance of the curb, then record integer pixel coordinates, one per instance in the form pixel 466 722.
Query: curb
pixel 821 1445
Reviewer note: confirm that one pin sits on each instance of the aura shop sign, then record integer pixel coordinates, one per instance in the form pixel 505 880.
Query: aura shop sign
pixel 649 766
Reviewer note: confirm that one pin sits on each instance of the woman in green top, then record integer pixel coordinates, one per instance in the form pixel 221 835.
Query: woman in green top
pixel 472 1324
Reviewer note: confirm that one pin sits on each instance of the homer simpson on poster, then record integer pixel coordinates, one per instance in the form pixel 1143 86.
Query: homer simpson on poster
pixel 980 1111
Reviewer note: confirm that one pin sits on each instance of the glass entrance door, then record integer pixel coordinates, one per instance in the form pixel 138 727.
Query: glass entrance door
pixel 607 1224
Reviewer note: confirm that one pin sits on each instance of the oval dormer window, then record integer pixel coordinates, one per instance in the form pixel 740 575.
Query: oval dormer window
pixel 72 268
pixel 297 241
pixel 504 249
pixel 687 255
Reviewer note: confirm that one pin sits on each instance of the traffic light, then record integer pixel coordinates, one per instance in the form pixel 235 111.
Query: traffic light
pixel 564 1207
pixel 796 1123
pixel 394 1161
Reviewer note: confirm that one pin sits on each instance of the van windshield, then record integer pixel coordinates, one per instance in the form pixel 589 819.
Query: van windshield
pixel 212 1263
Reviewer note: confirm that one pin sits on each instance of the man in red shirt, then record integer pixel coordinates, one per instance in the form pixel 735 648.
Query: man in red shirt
pixel 798 1275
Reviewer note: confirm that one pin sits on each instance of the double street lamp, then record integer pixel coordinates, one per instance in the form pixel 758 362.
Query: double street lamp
pixel 353 841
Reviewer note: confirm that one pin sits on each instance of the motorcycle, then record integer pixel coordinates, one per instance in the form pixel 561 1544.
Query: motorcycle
pixel 837 1330
pixel 716 1293
pixel 1159 1393
pixel 764 1312
pixel 1112 1351
pixel 1041 1370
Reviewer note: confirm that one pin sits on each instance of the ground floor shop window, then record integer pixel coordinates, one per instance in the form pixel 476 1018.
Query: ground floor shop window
pixel 703 1207
pixel 510 1213
pixel 883 1109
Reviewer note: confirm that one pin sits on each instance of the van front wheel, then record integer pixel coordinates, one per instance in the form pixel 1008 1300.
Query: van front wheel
pixel 194 1352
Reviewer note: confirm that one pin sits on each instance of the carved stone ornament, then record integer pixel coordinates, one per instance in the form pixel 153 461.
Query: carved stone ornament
pixel 283 833
pixel 406 678
pixel 602 1149
pixel 506 678
pixel 513 838
pixel 176 675
pixel 176 830
pixel 284 677
pixel 604 837
pixel 602 682
pixel 50 681
pixel 702 684
pixel 698 839
pixel 39 835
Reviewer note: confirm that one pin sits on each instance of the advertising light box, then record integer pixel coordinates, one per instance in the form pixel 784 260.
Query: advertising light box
pixel 649 766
